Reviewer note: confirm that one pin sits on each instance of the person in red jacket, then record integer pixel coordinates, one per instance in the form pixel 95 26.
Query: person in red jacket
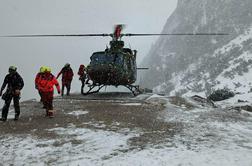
pixel 38 78
pixel 67 77
pixel 46 86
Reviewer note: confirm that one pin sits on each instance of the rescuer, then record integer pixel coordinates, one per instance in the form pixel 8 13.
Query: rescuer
pixel 46 86
pixel 14 83
pixel 83 75
pixel 38 79
pixel 67 77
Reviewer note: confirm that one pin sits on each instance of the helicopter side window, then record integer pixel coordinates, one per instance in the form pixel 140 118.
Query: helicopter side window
pixel 128 50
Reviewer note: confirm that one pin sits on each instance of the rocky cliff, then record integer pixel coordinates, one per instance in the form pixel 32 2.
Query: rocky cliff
pixel 198 64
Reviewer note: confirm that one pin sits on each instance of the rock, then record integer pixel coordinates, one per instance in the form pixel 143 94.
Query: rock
pixel 203 101
pixel 221 94
pixel 242 101
pixel 246 108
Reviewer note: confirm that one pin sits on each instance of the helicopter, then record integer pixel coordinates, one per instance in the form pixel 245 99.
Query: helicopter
pixel 116 65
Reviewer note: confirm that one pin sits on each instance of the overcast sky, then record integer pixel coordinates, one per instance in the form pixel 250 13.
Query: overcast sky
pixel 69 17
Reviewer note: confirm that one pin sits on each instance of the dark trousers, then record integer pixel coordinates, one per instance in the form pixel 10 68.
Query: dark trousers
pixel 68 87
pixel 6 106
pixel 47 98
pixel 82 79
pixel 40 94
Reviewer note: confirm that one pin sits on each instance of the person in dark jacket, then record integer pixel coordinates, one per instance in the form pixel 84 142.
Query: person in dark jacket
pixel 67 77
pixel 14 83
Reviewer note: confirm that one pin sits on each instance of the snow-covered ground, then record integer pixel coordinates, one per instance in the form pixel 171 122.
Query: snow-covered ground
pixel 206 136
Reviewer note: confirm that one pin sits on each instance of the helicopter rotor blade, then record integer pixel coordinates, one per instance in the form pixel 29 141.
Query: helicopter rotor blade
pixel 112 35
pixel 67 35
pixel 174 34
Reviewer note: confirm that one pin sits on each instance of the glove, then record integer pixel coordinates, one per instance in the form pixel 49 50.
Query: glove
pixel 17 92
pixel 58 92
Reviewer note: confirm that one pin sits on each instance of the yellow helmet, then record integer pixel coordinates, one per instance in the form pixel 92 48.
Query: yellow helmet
pixel 42 69
pixel 48 69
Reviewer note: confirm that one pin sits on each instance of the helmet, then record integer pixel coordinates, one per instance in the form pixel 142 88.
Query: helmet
pixel 12 68
pixel 42 69
pixel 48 69
pixel 67 65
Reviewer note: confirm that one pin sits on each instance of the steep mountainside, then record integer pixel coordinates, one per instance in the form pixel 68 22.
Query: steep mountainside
pixel 198 64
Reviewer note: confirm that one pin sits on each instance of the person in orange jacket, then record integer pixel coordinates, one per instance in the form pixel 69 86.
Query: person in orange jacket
pixel 67 77
pixel 46 86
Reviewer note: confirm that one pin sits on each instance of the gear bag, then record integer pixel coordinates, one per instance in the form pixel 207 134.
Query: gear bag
pixel 7 95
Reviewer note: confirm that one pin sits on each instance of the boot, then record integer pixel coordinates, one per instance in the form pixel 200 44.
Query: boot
pixel 47 113
pixel 16 118
pixel 62 91
pixel 17 113
pixel 50 113
pixel 3 119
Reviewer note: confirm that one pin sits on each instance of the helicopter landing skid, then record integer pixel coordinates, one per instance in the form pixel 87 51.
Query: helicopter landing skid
pixel 91 87
pixel 134 89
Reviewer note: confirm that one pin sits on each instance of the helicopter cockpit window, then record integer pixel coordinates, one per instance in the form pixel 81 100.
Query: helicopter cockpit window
pixel 98 58
pixel 119 59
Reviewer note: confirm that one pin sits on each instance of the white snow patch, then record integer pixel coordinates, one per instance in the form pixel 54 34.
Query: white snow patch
pixel 78 112
pixel 154 96
pixel 131 104
pixel 245 80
